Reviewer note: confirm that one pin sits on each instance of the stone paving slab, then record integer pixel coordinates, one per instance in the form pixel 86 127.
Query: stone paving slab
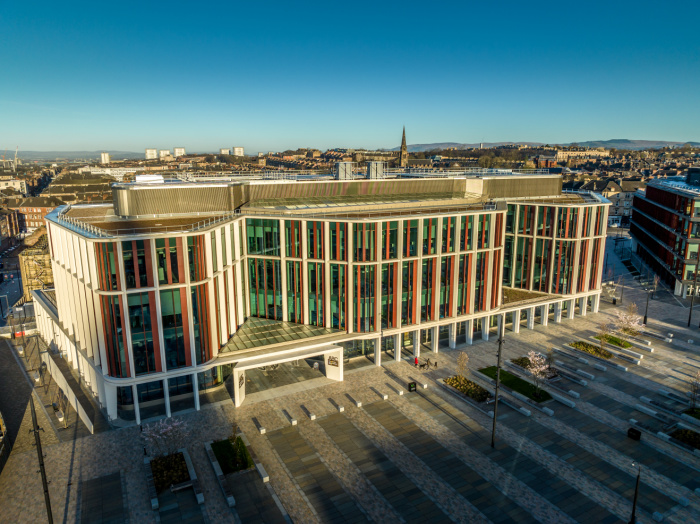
pixel 464 480
pixel 407 500
pixel 324 493
pixel 506 461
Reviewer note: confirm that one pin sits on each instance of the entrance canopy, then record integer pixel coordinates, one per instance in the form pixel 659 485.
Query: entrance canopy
pixel 332 364
pixel 257 333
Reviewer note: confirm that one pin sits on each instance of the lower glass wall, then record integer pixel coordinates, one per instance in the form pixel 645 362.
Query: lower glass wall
pixel 181 393
pixel 215 384
pixel 358 348
pixel 125 403
pixel 151 399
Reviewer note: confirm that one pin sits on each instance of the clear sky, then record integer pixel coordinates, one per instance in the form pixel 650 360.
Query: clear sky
pixel 272 76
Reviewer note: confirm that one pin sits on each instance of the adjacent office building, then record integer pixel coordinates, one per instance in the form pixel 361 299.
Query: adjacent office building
pixel 237 151
pixel 163 309
pixel 665 229
pixel 151 154
pixel 178 151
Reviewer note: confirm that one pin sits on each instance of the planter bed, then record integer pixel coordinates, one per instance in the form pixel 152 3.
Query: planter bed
pixel 694 413
pixel 468 388
pixel 481 406
pixel 640 343
pixel 169 470
pixel 688 437
pixel 232 456
pixel 517 384
pixel 624 353
pixel 595 359
pixel 615 341
pixel 590 349
pixel 549 386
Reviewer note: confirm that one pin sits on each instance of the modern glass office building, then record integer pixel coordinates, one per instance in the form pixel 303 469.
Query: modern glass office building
pixel 166 297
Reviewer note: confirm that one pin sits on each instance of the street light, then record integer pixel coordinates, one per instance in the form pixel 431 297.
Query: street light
pixel 633 517
pixel 501 335
pixel 646 310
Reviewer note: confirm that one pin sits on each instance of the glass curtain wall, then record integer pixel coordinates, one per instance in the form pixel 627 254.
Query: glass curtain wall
pixel 390 240
pixel 316 287
pixel 339 285
pixel 295 308
pixel 137 263
pixel 265 288
pixel 390 299
pixel 146 349
pixel 173 316
pixel 263 236
pixel 364 298
pixel 115 336
pixel 169 260
pixel 339 240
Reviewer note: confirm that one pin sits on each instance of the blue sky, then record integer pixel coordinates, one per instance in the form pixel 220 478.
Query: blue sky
pixel 272 76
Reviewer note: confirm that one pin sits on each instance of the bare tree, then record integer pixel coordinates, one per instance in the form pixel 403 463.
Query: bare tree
pixel 165 436
pixel 604 331
pixel 538 370
pixel 694 390
pixel 463 364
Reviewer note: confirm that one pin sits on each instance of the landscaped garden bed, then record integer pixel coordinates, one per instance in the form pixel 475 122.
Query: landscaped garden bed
pixel 614 341
pixel 525 363
pixel 232 455
pixel 695 412
pixel 168 471
pixel 591 349
pixel 468 388
pixel 517 384
pixel 687 436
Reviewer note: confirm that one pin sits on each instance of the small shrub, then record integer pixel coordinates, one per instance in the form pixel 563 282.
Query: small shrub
pixel 169 470
pixel 591 349
pixel 615 341
pixel 232 456
pixel 524 362
pixel 469 388
pixel 687 436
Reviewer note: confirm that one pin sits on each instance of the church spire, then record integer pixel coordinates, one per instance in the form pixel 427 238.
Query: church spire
pixel 403 154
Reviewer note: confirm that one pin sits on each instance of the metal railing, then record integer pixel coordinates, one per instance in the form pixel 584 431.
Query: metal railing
pixel 103 233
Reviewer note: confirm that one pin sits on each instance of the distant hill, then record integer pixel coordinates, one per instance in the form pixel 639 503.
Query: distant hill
pixel 47 156
pixel 623 143
pixel 617 143
pixel 415 148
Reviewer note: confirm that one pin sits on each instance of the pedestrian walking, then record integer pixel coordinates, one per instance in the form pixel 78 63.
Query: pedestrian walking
pixel 416 361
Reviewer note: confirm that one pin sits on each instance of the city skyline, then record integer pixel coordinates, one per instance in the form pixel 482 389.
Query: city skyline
pixel 285 78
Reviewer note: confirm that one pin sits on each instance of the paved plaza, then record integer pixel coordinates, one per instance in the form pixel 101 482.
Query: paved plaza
pixel 422 456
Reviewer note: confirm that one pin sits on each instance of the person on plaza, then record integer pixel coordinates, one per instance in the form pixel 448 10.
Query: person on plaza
pixel 416 361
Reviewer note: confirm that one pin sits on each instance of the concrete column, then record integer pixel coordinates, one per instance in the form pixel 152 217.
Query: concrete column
pixel 434 340
pixel 545 314
pixel 111 401
pixel 570 312
pixel 239 387
pixel 334 365
pixel 584 306
pixel 195 386
pixel 516 321
pixel 485 324
pixel 137 409
pixel 470 331
pixel 166 397
pixel 557 312
pixel 378 351
pixel 596 304
pixel 453 335
pixel 397 347
pixel 531 318
pixel 416 343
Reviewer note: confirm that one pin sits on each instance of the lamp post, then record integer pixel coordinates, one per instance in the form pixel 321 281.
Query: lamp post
pixel 646 310
pixel 501 333
pixel 37 440
pixel 633 517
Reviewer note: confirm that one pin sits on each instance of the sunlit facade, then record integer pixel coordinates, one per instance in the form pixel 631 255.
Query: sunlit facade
pixel 159 310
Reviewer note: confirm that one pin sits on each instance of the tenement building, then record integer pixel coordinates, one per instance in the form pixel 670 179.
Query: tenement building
pixel 165 298
pixel 665 229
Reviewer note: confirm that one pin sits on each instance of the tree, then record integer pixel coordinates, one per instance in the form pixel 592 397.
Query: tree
pixel 538 370
pixel 629 322
pixel 165 436
pixel 694 390
pixel 604 330
pixel 463 364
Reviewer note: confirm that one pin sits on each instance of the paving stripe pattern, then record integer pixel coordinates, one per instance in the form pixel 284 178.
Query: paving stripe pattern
pixel 325 494
pixel 408 500
pixel 449 501
pixel 349 475
pixel 465 481
pixel 518 477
